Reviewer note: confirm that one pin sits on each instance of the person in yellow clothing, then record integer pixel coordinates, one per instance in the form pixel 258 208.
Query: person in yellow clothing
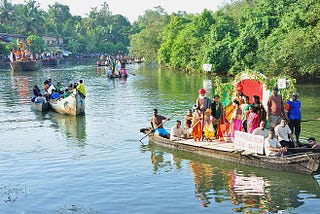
pixel 208 127
pixel 81 88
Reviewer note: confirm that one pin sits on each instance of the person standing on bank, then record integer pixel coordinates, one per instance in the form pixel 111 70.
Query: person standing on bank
pixel 157 124
pixel 275 108
pixel 293 114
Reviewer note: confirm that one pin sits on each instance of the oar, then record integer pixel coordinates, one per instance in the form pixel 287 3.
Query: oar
pixel 303 150
pixel 157 127
pixel 317 119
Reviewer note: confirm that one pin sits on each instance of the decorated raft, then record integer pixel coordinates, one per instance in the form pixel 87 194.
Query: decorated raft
pixel 246 148
pixel 304 163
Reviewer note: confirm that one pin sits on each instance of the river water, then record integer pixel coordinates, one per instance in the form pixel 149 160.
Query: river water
pixel 52 163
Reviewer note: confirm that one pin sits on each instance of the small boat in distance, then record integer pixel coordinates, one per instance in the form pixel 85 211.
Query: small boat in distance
pixel 39 106
pixel 74 104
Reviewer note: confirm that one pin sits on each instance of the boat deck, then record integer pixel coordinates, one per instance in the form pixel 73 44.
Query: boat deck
pixel 217 145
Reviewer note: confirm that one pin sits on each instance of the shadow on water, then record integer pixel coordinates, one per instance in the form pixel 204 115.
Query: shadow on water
pixel 74 127
pixel 249 189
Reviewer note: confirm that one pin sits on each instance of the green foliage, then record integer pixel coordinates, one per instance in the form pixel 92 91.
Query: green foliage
pixel 35 44
pixel 147 42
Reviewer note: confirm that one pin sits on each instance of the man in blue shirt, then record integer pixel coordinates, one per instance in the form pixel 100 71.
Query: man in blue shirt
pixel 293 113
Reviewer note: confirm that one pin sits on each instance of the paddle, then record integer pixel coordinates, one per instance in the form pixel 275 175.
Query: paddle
pixel 157 126
pixel 317 119
pixel 302 150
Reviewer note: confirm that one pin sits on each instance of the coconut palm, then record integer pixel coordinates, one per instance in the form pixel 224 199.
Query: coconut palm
pixel 31 18
pixel 5 12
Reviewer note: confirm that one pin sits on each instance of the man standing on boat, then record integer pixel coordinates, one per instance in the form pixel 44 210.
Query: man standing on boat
pixel 293 113
pixel 217 109
pixel 157 124
pixel 202 101
pixel 275 108
pixel 81 88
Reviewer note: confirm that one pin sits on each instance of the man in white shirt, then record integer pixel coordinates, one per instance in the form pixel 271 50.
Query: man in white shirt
pixel 272 147
pixel 177 132
pixel 284 134
pixel 261 130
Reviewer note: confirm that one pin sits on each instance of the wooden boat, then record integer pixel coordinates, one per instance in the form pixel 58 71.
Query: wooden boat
pixel 32 65
pixel 39 106
pixel 304 163
pixel 117 76
pixel 51 61
pixel 74 104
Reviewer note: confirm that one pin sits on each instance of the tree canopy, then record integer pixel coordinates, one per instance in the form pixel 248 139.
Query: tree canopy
pixel 269 36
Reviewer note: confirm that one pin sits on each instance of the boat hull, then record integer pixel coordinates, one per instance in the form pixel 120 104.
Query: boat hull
pixel 74 104
pixel 25 65
pixel 304 163
pixel 52 61
pixel 39 106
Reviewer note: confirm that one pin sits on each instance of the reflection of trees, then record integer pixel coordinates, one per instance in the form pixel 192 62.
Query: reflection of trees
pixel 249 189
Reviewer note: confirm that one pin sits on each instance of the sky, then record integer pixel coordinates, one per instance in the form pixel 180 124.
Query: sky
pixel 132 8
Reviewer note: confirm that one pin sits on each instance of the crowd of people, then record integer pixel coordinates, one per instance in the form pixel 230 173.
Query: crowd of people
pixel 55 91
pixel 207 121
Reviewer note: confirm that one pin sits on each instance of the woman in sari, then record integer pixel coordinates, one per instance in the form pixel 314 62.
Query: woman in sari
pixel 236 119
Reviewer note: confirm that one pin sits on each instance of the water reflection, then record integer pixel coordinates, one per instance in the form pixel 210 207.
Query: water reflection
pixel 248 189
pixel 20 86
pixel 74 127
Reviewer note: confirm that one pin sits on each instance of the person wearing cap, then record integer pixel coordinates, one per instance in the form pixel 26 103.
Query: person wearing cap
pixel 293 115
pixel 275 108
pixel 157 124
pixel 202 101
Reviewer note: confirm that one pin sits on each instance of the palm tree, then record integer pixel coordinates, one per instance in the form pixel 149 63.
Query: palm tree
pixel 5 12
pixel 31 18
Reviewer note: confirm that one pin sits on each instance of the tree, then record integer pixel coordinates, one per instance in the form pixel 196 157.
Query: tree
pixel 30 18
pixel 5 12
pixel 147 42
pixel 57 18
pixel 36 44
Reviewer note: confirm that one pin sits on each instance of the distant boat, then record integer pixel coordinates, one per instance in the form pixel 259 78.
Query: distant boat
pixel 28 65
pixel 117 76
pixel 50 61
pixel 39 106
pixel 74 104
